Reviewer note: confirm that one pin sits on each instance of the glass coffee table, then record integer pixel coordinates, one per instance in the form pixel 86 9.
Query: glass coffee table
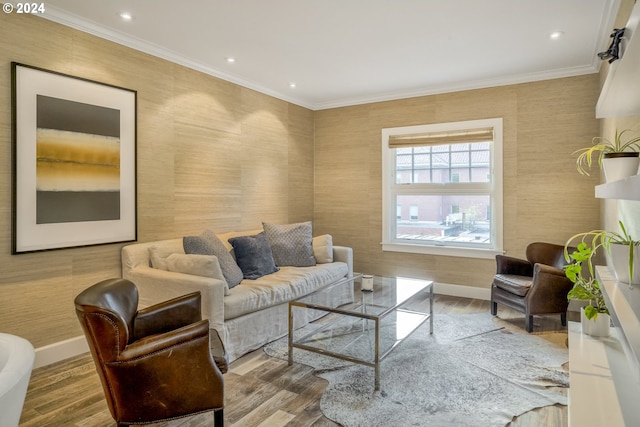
pixel 366 330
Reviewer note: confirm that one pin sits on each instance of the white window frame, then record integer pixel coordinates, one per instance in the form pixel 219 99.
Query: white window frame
pixel 390 191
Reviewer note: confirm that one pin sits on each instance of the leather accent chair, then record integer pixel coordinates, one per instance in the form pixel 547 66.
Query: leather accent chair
pixel 535 286
pixel 155 364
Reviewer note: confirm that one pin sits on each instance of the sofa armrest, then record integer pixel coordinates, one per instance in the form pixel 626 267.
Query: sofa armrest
pixel 155 286
pixel 344 254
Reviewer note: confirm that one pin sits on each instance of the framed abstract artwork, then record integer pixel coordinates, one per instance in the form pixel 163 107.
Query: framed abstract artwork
pixel 74 161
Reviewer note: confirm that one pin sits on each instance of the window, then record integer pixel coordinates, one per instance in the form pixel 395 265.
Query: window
pixel 413 213
pixel 451 174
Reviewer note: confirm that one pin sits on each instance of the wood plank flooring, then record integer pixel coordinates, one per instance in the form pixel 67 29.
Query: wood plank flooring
pixel 260 391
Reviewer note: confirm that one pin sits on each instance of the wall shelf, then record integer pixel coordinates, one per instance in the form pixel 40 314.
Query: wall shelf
pixel 626 189
pixel 620 94
pixel 604 373
pixel 601 393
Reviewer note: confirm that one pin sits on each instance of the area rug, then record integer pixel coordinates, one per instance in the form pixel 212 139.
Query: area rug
pixel 473 371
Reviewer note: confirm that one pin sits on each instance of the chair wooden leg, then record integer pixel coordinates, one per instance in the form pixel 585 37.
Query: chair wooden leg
pixel 494 308
pixel 528 323
pixel 218 418
pixel 563 319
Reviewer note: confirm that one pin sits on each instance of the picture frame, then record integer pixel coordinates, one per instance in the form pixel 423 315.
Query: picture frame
pixel 74 161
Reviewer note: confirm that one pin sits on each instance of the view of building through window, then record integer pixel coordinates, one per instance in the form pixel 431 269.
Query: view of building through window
pixel 444 217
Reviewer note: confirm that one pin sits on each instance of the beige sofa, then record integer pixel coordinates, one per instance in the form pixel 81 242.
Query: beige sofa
pixel 251 314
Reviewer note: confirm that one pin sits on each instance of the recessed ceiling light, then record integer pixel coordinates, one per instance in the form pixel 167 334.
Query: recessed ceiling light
pixel 125 16
pixel 556 35
pixel 292 85
pixel 231 59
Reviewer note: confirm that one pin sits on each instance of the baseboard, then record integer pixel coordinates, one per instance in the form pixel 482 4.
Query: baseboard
pixel 58 351
pixel 462 291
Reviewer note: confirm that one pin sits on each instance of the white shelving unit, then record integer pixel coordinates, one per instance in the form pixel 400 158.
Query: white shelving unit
pixel 605 372
pixel 625 189
pixel 601 393
pixel 620 94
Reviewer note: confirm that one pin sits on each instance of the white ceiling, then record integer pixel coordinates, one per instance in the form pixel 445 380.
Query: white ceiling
pixel 346 52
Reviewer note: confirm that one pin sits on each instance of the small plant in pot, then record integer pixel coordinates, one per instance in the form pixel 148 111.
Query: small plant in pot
pixel 620 247
pixel 595 318
pixel 626 155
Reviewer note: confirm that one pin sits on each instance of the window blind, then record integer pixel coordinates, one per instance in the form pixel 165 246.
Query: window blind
pixel 441 138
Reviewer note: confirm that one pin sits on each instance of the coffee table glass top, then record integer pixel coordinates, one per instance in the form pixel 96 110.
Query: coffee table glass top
pixel 396 306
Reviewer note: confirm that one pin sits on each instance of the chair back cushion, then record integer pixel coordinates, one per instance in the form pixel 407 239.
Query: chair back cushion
pixel 106 312
pixel 546 253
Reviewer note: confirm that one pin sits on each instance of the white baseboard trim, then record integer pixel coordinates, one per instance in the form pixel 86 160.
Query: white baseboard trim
pixel 58 351
pixel 462 291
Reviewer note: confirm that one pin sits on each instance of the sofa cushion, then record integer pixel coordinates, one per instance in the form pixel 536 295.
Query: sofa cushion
pixel 280 287
pixel 323 248
pixel 253 255
pixel 208 244
pixel 158 256
pixel 198 265
pixel 291 243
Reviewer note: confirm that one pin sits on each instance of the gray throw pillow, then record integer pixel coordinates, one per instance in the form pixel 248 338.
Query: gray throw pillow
pixel 209 244
pixel 253 255
pixel 291 244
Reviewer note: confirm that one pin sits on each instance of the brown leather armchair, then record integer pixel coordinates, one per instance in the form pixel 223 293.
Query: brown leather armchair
pixel 155 364
pixel 535 286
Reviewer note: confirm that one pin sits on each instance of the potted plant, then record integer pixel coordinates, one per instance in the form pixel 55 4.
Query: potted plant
pixel 621 249
pixel 625 154
pixel 594 317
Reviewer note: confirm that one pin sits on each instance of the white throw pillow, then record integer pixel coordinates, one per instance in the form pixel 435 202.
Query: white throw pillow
pixel 158 256
pixel 323 248
pixel 198 265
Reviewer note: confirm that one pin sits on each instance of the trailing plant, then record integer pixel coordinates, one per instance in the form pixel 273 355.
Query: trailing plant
pixel 601 146
pixel 585 289
pixel 605 238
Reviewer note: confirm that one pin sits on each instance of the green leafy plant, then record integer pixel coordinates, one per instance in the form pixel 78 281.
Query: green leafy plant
pixel 601 146
pixel 584 288
pixel 605 238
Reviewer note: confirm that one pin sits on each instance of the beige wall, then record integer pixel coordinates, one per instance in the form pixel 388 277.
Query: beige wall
pixel 544 196
pixel 211 154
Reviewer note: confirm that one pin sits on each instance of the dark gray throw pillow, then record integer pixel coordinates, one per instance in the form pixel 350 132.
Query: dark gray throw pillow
pixel 209 244
pixel 253 255
pixel 291 244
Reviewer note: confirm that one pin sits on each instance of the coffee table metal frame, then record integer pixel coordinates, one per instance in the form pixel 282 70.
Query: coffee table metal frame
pixel 360 311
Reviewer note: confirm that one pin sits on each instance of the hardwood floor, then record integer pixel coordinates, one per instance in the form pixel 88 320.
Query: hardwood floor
pixel 260 391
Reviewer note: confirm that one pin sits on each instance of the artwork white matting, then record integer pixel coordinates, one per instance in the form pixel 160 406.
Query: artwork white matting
pixel 74 161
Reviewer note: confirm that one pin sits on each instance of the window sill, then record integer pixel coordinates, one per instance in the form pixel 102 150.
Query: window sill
pixel 441 250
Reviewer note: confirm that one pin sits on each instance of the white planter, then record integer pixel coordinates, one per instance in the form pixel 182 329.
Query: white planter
pixel 618 168
pixel 598 327
pixel 618 258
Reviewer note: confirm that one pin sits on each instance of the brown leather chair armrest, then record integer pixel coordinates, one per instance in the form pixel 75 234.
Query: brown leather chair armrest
pixel 549 290
pixel 510 265
pixel 168 315
pixel 152 344
pixel 149 377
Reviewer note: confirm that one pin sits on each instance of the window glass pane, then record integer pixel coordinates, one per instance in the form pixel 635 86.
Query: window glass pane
pixel 452 158
pixel 440 160
pixel 422 176
pixel 460 159
pixel 445 218
pixel 460 147
pixel 460 175
pixel 403 177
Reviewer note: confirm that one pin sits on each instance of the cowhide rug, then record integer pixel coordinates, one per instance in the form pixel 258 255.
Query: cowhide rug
pixel 473 371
